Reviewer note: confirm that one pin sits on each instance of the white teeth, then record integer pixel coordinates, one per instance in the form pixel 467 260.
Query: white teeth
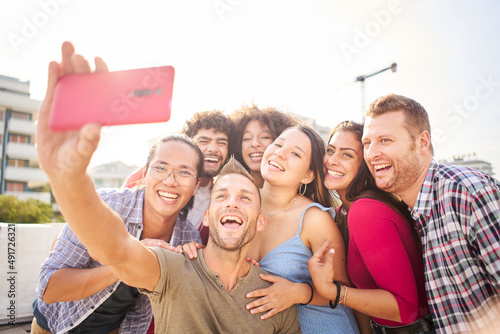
pixel 272 163
pixel 256 155
pixel 167 196
pixel 211 159
pixel 334 173
pixel 234 218
pixel 378 167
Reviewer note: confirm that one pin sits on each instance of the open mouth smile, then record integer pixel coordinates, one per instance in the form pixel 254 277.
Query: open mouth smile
pixel 276 165
pixel 168 197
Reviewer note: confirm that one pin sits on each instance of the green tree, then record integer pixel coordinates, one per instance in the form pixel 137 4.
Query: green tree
pixel 15 210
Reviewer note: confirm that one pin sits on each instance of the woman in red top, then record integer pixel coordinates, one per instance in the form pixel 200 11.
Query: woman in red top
pixel 384 258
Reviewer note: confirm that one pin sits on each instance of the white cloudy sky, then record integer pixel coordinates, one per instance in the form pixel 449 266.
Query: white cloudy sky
pixel 291 54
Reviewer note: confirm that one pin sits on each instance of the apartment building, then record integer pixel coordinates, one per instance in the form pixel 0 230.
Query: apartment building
pixel 20 174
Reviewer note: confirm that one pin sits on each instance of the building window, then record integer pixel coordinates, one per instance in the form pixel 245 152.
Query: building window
pixel 21 115
pixel 15 186
pixel 18 163
pixel 21 139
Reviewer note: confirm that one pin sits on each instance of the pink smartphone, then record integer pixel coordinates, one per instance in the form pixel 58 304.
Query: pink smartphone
pixel 113 98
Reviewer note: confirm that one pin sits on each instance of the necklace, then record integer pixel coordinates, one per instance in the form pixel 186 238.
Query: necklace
pixel 272 214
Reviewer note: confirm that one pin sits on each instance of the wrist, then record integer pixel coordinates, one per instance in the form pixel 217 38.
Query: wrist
pixel 309 294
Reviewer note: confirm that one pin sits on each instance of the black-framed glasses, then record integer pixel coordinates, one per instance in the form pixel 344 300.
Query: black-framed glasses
pixel 184 177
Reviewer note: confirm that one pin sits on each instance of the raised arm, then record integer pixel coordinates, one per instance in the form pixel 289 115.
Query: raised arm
pixel 397 297
pixel 65 157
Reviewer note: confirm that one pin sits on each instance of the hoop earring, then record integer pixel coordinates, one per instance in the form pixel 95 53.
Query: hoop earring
pixel 302 192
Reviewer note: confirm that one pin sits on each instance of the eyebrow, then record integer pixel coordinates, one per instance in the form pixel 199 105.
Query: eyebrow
pixel 343 148
pixel 161 162
pixel 246 191
pixel 210 139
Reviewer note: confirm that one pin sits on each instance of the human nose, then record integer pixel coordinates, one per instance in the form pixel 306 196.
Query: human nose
pixel 280 152
pixel 371 151
pixel 170 180
pixel 232 201
pixel 332 159
pixel 256 141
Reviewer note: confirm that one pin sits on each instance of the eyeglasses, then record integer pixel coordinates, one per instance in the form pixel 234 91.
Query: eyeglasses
pixel 184 177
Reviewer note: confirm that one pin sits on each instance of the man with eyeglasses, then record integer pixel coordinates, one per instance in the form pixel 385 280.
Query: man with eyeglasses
pixel 212 131
pixel 207 295
pixel 76 293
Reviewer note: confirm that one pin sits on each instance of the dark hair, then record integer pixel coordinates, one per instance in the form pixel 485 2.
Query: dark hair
pixel 213 119
pixel 363 184
pixel 316 190
pixel 416 117
pixel 234 167
pixel 275 120
pixel 199 164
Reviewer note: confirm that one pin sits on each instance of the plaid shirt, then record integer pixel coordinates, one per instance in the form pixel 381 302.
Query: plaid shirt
pixel 70 252
pixel 457 213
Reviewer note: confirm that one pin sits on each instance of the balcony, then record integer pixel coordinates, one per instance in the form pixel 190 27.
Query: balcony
pixel 24 174
pixel 19 102
pixel 21 126
pixel 21 151
pixel 24 195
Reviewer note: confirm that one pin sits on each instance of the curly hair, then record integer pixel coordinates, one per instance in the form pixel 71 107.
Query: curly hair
pixel 276 120
pixel 213 119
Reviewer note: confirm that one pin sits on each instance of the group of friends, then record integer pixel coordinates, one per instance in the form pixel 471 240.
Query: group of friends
pixel 245 223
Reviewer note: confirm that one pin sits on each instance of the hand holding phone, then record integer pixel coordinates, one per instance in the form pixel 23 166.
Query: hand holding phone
pixel 112 98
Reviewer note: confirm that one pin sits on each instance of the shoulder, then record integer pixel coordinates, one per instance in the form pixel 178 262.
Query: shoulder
pixel 369 213
pixel 462 178
pixel 122 194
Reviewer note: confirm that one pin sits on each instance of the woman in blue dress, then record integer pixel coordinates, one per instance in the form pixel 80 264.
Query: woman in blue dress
pixel 299 220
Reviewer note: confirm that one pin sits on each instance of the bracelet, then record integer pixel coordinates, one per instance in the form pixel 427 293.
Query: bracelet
pixel 343 300
pixel 312 293
pixel 334 305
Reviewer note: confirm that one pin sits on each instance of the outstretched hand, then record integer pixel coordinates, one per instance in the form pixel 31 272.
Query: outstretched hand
pixel 322 270
pixel 67 153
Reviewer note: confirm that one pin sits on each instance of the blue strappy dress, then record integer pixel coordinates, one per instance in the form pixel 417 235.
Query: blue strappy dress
pixel 289 260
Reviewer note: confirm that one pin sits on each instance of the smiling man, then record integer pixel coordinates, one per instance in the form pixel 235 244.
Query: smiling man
pixel 211 130
pixel 456 208
pixel 193 296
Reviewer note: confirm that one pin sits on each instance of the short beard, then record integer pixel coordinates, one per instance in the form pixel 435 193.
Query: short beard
pixel 210 174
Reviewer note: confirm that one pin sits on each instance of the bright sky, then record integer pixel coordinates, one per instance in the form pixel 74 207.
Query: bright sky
pixel 301 56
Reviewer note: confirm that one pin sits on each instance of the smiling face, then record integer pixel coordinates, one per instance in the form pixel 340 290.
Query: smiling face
pixel 164 198
pixel 234 212
pixel 390 152
pixel 343 157
pixel 287 160
pixel 256 138
pixel 214 146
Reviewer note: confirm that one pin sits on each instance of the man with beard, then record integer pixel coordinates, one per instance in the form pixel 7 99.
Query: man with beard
pixel 193 296
pixel 456 209
pixel 211 130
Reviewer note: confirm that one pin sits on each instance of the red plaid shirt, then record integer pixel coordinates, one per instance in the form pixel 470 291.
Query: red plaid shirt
pixel 457 213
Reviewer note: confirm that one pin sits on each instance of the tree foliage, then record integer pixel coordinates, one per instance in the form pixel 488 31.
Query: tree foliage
pixel 15 210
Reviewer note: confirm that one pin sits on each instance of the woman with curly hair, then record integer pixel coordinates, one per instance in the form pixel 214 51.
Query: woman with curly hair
pixel 257 129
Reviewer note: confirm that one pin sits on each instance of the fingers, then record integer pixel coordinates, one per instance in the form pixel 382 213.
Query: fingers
pixel 67 51
pixel 90 135
pixel 256 294
pixel 320 252
pixel 100 65
pixel 330 256
pixel 45 107
pixel 269 278
pixel 191 249
pixel 80 64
